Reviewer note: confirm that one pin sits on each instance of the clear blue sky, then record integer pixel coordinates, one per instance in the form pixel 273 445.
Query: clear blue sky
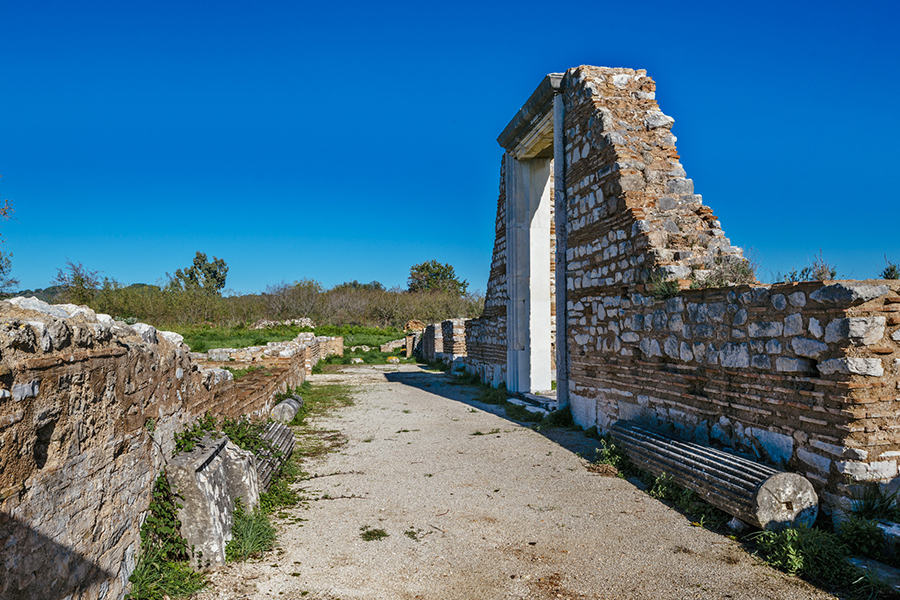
pixel 299 140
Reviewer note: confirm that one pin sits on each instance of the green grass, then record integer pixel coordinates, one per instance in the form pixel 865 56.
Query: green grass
pixel 204 338
pixel 355 335
pixel 372 535
pixel 252 533
pixel 371 357
pixel 318 400
pixel 155 577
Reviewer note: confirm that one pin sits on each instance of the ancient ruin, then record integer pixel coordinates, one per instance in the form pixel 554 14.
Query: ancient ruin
pixel 600 240
pixel 88 408
pixel 610 279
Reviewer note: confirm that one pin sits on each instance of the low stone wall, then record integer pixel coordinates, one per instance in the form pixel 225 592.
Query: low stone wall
pixel 804 376
pixel 88 409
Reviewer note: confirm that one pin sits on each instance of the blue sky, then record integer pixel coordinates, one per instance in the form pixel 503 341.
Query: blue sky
pixel 298 140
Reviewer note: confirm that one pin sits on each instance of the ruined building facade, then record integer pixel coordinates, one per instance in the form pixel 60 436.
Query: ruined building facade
pixel 600 235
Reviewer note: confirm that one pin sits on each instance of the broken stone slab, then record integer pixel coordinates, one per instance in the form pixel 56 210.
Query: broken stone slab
pixel 147 332
pixel 848 293
pixel 863 331
pixel 286 410
pixel 854 366
pixel 209 478
pixel 40 306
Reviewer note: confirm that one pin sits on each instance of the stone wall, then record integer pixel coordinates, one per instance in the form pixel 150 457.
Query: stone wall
pixel 88 409
pixel 803 376
pixel 433 342
pixel 453 335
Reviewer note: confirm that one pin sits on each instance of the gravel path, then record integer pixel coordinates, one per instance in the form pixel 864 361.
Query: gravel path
pixel 507 514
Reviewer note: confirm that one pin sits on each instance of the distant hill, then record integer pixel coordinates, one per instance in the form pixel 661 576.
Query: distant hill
pixel 50 294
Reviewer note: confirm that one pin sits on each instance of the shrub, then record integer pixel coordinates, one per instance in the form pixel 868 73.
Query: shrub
pixel 819 270
pixel 862 536
pixel 872 502
pixel 814 554
pixel 891 271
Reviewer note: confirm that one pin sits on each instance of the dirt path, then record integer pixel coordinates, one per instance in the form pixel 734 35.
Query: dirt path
pixel 507 514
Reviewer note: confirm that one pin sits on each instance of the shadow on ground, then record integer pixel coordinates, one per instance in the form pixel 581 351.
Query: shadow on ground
pixel 442 385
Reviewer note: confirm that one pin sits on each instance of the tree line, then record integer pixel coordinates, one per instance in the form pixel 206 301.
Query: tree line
pixel 194 296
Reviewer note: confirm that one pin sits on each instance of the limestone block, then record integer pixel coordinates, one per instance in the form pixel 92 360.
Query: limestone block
pixel 650 347
pixel 815 328
pixel 657 119
pixel 42 336
pixel 808 348
pixel 773 347
pixel 848 293
pixel 671 347
pixel 172 337
pixel 779 301
pixel 896 336
pixel 793 324
pixel 766 329
pixel 860 471
pixel 777 446
pixel 818 462
pixel 856 366
pixel 209 479
pixel 797 299
pixel 39 306
pixel 287 409
pixel 740 317
pixel 685 352
pixel 859 330
pixel 840 451
pixel 20 391
pixel 734 355
pixel 147 332
pixel 792 365
pixel 761 361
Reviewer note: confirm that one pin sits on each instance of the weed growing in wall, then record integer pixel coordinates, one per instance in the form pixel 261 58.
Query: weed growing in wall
pixel 725 271
pixel 186 440
pixel 662 288
pixel 891 271
pixel 162 569
pixel 819 270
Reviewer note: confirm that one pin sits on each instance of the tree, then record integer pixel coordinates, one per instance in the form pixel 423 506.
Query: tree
pixel 78 283
pixel 203 275
pixel 299 299
pixel 6 280
pixel 434 276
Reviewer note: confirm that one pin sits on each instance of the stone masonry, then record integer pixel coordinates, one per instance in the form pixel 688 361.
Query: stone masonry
pixel 803 376
pixel 88 409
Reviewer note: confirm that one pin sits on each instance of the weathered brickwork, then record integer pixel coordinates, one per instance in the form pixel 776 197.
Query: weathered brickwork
pixel 88 409
pixel 806 376
pixel 486 335
pixel 433 342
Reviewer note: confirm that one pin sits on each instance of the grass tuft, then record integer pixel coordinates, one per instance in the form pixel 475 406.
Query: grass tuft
pixel 252 533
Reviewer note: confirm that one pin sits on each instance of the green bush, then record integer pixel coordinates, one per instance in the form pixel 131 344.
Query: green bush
pixel 816 555
pixel 863 536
